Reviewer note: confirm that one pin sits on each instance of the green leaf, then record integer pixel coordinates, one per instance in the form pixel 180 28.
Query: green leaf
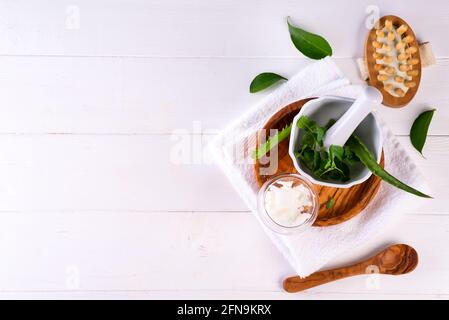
pixel 320 132
pixel 326 165
pixel 344 168
pixel 334 168
pixel 271 142
pixel 308 158
pixel 264 80
pixel 330 203
pixel 336 152
pixel 313 136
pixel 368 160
pixel 309 44
pixel 349 157
pixel 308 141
pixel 420 127
pixel 304 122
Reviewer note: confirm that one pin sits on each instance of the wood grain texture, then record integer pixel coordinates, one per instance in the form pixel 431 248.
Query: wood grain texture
pixel 348 201
pixel 395 260
pixel 388 99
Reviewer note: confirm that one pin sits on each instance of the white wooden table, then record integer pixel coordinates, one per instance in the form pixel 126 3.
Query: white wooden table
pixel 91 205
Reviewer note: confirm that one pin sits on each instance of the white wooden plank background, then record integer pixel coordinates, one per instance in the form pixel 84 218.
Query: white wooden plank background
pixel 91 205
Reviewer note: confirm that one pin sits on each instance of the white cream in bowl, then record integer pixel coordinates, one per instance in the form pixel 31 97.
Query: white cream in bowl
pixel 288 204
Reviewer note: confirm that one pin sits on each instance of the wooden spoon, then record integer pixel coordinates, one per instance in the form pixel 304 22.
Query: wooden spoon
pixel 394 260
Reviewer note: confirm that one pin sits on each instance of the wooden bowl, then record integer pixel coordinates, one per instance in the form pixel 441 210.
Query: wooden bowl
pixel 388 99
pixel 348 201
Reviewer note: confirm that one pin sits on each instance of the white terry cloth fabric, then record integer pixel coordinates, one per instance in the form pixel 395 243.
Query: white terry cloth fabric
pixel 311 250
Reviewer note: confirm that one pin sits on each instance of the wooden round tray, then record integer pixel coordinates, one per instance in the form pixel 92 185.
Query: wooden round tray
pixel 389 100
pixel 348 202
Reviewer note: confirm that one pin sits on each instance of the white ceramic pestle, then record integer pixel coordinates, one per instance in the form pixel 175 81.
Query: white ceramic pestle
pixel 340 132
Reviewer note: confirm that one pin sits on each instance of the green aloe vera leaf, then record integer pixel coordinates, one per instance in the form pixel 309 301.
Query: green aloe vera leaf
pixel 271 142
pixel 370 162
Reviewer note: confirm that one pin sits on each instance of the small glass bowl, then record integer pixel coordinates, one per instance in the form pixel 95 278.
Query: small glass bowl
pixel 276 226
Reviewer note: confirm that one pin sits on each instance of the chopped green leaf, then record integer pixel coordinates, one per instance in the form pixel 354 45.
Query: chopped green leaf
pixel 313 135
pixel 263 81
pixel 336 152
pixel 370 162
pixel 336 169
pixel 309 44
pixel 305 123
pixel 330 203
pixel 327 165
pixel 420 127
pixel 349 157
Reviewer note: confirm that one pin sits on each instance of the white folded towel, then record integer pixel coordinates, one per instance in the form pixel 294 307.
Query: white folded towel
pixel 311 250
